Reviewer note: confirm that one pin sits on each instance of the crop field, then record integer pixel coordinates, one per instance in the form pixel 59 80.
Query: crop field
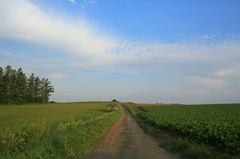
pixel 13 116
pixel 216 124
pixel 146 104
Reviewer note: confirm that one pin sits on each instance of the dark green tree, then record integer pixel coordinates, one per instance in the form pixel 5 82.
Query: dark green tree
pixel 37 90
pixel 14 92
pixel 47 89
pixel 16 88
pixel 1 84
pixel 6 85
pixel 21 85
pixel 29 90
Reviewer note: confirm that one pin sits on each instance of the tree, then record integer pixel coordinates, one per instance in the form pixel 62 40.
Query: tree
pixel 29 90
pixel 14 92
pixel 21 85
pixel 6 85
pixel 37 90
pixel 1 84
pixel 16 88
pixel 47 89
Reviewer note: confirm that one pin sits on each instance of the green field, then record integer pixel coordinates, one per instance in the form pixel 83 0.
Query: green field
pixel 13 116
pixel 216 124
pixel 61 136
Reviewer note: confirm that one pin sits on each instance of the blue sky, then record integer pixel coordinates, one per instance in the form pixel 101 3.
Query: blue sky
pixel 141 51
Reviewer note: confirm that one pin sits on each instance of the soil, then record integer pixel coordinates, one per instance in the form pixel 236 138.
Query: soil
pixel 146 104
pixel 129 142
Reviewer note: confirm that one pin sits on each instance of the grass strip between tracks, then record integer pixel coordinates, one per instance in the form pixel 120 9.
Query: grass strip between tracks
pixel 125 117
pixel 177 144
pixel 75 139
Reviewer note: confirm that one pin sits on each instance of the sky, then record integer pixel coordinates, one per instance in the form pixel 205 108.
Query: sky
pixel 144 51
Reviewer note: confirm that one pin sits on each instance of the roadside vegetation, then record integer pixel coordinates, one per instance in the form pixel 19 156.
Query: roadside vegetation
pixel 174 124
pixel 73 139
pixel 133 112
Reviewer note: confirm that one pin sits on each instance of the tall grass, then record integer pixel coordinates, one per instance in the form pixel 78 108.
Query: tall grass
pixel 29 134
pixel 133 112
pixel 8 122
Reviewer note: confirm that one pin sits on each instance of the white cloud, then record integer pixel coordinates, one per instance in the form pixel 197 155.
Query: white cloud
pixel 147 4
pixel 23 20
pixel 58 76
pixel 28 71
pixel 206 82
pixel 99 51
pixel 92 2
pixel 204 37
pixel 227 72
pixel 180 92
pixel 73 1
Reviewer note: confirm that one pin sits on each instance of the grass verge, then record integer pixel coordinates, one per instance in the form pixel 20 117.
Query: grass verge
pixel 75 139
pixel 125 117
pixel 133 112
pixel 177 144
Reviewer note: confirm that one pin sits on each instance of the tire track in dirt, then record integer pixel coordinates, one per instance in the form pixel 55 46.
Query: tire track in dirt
pixel 129 142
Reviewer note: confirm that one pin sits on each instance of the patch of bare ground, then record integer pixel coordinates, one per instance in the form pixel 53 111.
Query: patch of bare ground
pixel 127 142
pixel 147 104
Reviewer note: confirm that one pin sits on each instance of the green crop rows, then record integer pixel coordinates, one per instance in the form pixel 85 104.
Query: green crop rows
pixel 217 124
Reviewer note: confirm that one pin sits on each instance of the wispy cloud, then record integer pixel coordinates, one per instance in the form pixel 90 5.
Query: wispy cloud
pixel 73 1
pixel 24 21
pixel 228 72
pixel 90 1
pixel 180 92
pixel 147 4
pixel 58 76
pixel 207 82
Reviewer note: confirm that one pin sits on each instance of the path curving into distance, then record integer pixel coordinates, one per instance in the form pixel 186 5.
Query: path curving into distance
pixel 129 142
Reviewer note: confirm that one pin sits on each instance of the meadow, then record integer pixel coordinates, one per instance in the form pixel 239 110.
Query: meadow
pixel 214 124
pixel 59 134
pixel 13 116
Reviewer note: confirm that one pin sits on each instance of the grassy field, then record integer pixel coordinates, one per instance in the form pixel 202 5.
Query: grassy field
pixel 13 116
pixel 61 136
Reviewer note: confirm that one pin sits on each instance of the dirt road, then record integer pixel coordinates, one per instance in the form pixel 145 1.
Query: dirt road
pixel 129 142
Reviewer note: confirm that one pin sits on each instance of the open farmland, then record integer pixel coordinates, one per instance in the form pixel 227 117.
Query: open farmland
pixel 216 124
pixel 146 104
pixel 13 116
pixel 71 137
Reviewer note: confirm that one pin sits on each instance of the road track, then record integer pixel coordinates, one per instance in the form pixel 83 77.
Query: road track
pixel 129 142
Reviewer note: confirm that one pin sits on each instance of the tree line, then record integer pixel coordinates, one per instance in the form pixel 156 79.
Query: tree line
pixel 16 88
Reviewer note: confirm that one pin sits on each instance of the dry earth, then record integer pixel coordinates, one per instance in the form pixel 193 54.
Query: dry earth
pixel 129 142
pixel 146 104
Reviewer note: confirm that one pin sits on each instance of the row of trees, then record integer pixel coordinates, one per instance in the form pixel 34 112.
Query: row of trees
pixel 16 88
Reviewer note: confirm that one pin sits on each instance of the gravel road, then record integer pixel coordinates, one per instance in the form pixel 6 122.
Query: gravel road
pixel 129 142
